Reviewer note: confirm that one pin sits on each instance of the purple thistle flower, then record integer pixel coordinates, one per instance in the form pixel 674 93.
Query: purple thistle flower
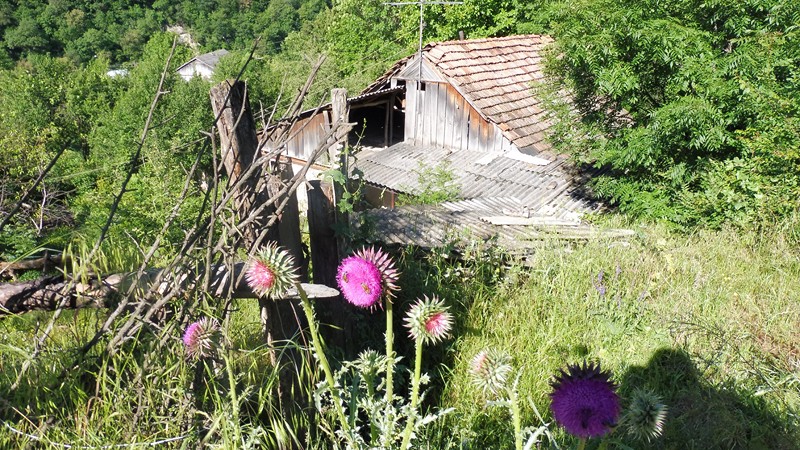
pixel 360 282
pixel 385 265
pixel 201 338
pixel 584 400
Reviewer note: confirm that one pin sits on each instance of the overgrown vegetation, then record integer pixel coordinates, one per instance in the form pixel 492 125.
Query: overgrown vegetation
pixel 725 360
pixel 693 105
pixel 434 185
pixel 708 322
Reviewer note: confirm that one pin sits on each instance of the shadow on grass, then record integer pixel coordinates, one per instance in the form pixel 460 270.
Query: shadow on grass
pixel 702 416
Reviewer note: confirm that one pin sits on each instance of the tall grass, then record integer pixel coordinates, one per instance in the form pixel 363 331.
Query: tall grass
pixel 710 322
pixel 146 392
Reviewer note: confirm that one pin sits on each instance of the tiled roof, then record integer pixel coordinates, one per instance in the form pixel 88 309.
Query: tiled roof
pixel 496 76
pixel 555 189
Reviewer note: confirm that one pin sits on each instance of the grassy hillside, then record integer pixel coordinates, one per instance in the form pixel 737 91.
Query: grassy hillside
pixel 709 322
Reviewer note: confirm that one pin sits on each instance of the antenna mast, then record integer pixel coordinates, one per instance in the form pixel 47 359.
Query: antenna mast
pixel 421 4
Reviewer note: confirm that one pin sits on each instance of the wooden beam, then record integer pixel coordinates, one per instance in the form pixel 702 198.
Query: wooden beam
pixel 388 113
pixel 340 114
pixel 289 235
pixel 325 261
pixel 47 292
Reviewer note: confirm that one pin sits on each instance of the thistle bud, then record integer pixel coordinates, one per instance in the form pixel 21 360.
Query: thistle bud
pixel 202 338
pixel 271 272
pixel 428 320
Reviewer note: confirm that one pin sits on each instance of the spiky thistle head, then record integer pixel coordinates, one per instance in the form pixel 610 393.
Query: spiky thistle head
pixel 271 272
pixel 644 418
pixel 490 370
pixel 584 400
pixel 202 338
pixel 385 265
pixel 360 282
pixel 428 320
pixel 370 363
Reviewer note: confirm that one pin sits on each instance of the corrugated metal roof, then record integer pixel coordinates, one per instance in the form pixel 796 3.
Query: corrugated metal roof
pixel 496 76
pixel 554 190
pixel 504 220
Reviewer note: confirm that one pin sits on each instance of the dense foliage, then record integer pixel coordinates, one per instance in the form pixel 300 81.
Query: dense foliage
pixel 119 30
pixel 694 105
pixel 92 124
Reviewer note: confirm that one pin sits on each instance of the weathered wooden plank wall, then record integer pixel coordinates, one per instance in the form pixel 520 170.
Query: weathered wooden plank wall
pixel 410 127
pixel 307 134
pixel 440 116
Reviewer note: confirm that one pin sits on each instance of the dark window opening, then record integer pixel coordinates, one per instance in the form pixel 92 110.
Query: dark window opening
pixel 370 129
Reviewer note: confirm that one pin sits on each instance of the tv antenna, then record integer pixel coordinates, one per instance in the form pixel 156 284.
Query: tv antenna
pixel 421 4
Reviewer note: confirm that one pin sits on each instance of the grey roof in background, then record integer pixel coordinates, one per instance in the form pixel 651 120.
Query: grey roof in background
pixel 500 219
pixel 209 59
pixel 555 189
pixel 212 58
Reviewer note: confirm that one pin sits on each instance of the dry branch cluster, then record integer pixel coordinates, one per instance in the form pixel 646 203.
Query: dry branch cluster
pixel 240 212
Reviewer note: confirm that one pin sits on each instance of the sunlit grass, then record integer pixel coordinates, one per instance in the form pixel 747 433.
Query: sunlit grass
pixel 710 322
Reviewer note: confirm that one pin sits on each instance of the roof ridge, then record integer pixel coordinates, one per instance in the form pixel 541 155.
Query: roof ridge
pixel 486 39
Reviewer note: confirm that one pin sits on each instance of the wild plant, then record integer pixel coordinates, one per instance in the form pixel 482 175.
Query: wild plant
pixel 216 380
pixel 360 396
pixel 584 402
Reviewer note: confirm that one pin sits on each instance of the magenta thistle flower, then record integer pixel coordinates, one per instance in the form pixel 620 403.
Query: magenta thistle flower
pixel 428 320
pixel 385 265
pixel 201 338
pixel 584 400
pixel 360 282
pixel 271 272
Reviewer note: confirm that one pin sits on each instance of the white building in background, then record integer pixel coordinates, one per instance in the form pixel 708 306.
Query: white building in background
pixel 115 73
pixel 201 65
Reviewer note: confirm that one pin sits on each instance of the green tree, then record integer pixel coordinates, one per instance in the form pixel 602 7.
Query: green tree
pixel 171 147
pixel 676 97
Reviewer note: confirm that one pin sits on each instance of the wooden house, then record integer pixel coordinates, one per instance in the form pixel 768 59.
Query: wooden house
pixel 468 94
pixel 474 94
pixel 468 107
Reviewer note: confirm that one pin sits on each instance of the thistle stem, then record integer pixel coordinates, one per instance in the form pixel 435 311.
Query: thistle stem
pixel 582 444
pixel 234 399
pixel 389 351
pixel 389 368
pixel 308 308
pixel 414 396
pixel 516 417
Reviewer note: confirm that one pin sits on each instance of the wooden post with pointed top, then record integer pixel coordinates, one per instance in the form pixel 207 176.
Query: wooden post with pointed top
pixel 237 135
pixel 340 112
